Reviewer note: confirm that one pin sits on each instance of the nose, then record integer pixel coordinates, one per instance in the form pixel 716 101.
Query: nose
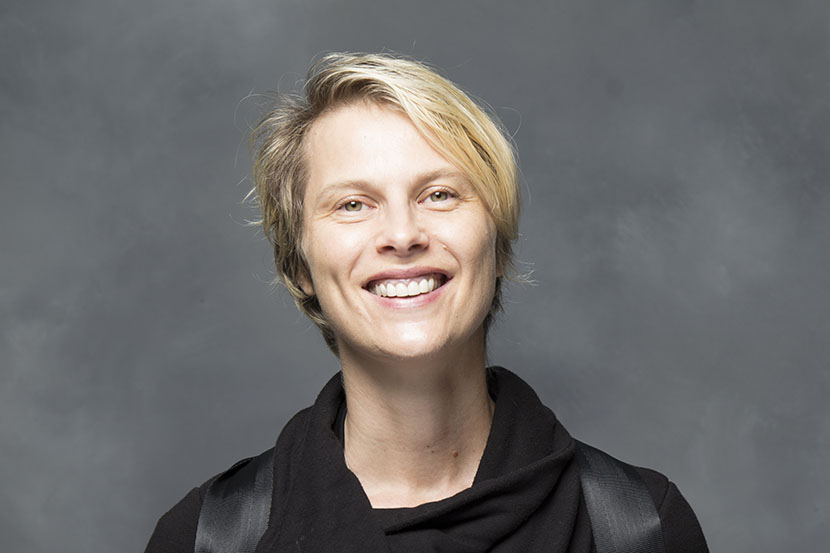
pixel 401 232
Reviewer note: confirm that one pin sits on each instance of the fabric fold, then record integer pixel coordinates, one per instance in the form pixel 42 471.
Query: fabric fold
pixel 526 496
pixel 324 504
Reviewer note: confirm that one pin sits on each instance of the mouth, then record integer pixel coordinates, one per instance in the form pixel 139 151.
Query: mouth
pixel 406 287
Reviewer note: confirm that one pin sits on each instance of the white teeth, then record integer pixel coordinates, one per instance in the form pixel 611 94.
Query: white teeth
pixel 405 287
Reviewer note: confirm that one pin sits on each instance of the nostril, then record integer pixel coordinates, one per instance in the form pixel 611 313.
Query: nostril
pixel 401 231
pixel 405 243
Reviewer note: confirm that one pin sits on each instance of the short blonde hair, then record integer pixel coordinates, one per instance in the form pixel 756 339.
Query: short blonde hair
pixel 449 120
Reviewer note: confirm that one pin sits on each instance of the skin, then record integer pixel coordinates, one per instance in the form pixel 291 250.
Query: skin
pixel 380 202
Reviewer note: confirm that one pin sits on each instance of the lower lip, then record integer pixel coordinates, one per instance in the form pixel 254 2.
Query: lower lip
pixel 410 302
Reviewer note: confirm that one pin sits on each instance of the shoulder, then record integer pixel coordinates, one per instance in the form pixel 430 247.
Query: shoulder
pixel 175 531
pixel 612 483
pixel 681 530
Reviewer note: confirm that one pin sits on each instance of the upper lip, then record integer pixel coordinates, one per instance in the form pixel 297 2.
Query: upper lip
pixel 404 273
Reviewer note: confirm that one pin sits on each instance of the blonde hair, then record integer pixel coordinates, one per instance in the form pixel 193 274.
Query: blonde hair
pixel 449 120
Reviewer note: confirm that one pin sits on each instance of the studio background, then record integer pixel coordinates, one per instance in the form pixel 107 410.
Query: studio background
pixel 676 221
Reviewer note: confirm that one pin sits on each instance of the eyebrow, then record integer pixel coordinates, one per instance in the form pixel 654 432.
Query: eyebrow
pixel 439 174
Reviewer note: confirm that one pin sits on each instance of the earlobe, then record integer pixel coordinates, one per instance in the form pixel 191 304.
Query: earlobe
pixel 303 278
pixel 499 266
pixel 305 284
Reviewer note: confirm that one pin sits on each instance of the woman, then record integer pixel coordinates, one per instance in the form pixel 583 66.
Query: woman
pixel 392 202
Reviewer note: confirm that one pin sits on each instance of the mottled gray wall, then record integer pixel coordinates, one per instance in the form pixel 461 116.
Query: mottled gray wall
pixel 675 158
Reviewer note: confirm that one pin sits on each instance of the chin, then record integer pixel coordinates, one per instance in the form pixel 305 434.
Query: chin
pixel 425 347
pixel 412 341
pixel 412 346
pixel 401 346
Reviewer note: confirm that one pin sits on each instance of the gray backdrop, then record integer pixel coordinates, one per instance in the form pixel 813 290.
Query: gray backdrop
pixel 677 223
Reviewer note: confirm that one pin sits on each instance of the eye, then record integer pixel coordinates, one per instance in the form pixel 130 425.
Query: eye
pixel 439 196
pixel 353 205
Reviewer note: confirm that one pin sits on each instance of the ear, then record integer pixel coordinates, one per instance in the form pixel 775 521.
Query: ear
pixel 500 257
pixel 500 265
pixel 305 283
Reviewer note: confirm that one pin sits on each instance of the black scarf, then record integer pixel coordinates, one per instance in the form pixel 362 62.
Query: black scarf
pixel 526 494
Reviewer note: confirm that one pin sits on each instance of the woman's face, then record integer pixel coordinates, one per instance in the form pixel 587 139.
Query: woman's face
pixel 400 248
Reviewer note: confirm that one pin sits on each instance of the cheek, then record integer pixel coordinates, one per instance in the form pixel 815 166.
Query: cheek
pixel 312 250
pixel 305 278
pixel 330 253
pixel 479 256
pixel 487 246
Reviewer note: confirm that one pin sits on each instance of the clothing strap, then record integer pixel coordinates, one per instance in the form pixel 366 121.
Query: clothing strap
pixel 622 512
pixel 236 507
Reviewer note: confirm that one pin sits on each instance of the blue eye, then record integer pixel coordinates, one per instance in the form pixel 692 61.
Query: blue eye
pixel 353 205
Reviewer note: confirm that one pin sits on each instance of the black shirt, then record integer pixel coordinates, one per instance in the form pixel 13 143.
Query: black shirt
pixel 526 496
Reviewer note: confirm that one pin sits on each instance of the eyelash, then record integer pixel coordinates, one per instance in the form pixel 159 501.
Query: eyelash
pixel 349 201
pixel 446 191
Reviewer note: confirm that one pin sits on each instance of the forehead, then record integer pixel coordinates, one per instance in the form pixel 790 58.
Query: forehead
pixel 368 141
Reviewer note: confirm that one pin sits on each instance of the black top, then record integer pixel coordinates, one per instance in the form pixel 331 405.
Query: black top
pixel 526 496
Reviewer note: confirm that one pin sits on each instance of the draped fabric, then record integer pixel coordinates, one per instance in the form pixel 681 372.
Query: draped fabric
pixel 525 458
pixel 526 496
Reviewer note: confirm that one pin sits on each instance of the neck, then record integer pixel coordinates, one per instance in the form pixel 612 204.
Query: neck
pixel 415 431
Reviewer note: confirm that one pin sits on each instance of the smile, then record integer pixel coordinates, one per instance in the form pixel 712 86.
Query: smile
pixel 406 287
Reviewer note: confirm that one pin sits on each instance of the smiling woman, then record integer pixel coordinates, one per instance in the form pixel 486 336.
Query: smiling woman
pixel 471 146
pixel 391 202
pixel 385 214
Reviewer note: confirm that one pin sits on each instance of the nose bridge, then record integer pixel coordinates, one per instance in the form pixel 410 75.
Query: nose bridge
pixel 401 229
